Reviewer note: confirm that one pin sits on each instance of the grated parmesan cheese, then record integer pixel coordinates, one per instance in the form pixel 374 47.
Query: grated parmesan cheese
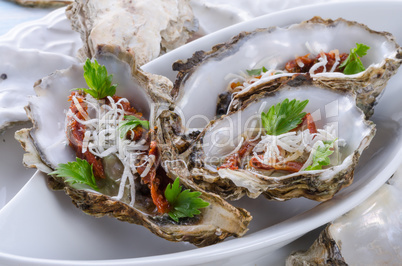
pixel 293 145
pixel 337 60
pixel 248 82
pixel 102 138
pixel 322 62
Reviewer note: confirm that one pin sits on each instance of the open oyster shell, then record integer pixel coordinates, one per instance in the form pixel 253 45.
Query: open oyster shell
pixel 198 156
pixel 369 234
pixel 127 24
pixel 47 146
pixel 272 48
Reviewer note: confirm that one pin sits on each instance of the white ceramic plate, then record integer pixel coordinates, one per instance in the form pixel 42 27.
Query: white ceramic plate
pixel 29 52
pixel 51 34
pixel 42 227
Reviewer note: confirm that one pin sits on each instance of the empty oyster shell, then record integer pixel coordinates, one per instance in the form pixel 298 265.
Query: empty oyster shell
pixel 367 235
pixel 332 107
pixel 272 48
pixel 100 23
pixel 47 146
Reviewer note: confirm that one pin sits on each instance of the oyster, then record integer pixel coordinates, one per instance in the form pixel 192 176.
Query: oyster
pixel 47 147
pixel 272 48
pixel 100 23
pixel 369 234
pixel 207 153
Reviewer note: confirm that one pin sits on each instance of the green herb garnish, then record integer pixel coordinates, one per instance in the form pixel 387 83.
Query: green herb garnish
pixel 79 171
pixel 283 117
pixel 353 64
pixel 184 203
pixel 98 80
pixel 129 123
pixel 321 156
pixel 257 71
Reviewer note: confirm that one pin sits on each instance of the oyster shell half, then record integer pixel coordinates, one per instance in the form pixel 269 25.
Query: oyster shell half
pixel 127 24
pixel 47 146
pixel 370 234
pixel 272 48
pixel 206 154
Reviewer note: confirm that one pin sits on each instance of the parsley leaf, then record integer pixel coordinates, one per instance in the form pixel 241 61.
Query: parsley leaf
pixel 321 156
pixel 184 203
pixel 130 123
pixel 353 64
pixel 98 81
pixel 257 71
pixel 79 171
pixel 283 117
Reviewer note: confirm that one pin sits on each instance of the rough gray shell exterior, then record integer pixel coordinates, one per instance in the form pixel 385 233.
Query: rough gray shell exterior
pixel 100 23
pixel 324 251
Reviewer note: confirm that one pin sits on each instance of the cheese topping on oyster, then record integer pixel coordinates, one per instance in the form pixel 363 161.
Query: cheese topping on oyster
pixel 314 65
pixel 102 138
pixel 293 146
pixel 285 143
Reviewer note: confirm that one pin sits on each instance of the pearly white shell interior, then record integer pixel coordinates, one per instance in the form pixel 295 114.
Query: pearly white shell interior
pixel 327 108
pixel 271 48
pixel 370 234
pixel 49 108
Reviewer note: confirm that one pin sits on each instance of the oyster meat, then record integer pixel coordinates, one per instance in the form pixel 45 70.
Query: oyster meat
pixel 271 48
pixel 240 139
pixel 131 188
pixel 370 234
pixel 100 23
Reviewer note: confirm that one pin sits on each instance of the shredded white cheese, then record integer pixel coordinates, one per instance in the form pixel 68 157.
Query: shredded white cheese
pixel 290 146
pixel 102 138
pixel 299 62
pixel 248 82
pixel 79 108
pixel 322 62
pixel 151 160
pixel 337 60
